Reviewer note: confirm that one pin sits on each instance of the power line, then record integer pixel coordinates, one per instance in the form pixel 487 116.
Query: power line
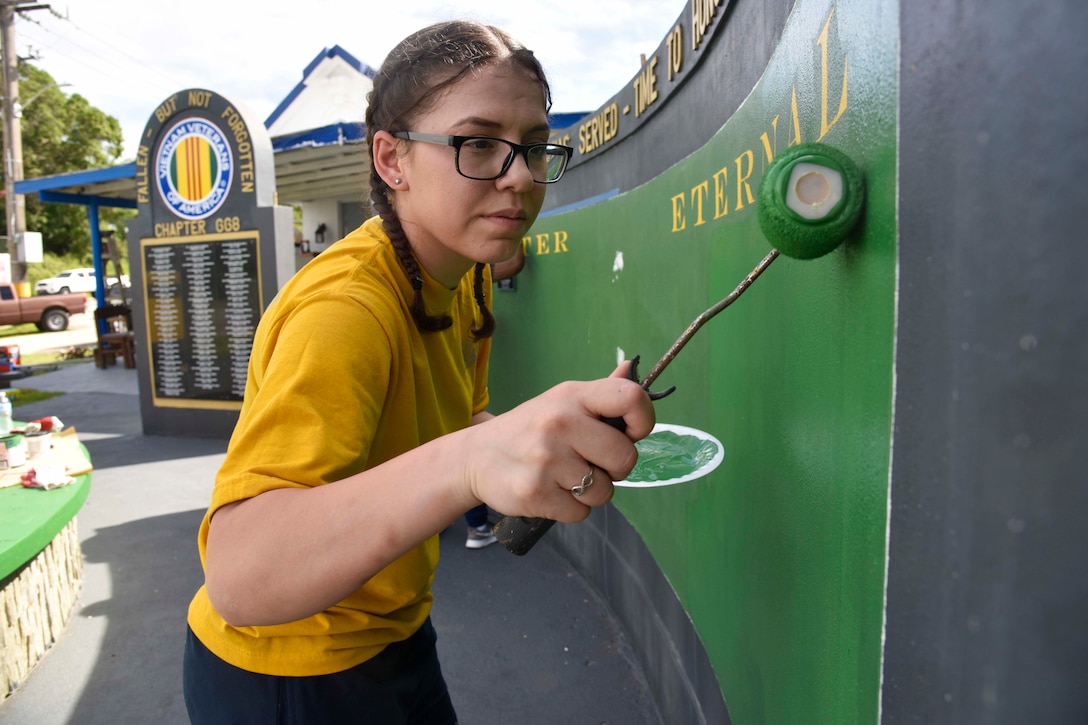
pixel 90 54
pixel 113 47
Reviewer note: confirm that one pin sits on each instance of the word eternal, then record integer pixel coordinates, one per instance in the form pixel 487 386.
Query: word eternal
pixel 695 204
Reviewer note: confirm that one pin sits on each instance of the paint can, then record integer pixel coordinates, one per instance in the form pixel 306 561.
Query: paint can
pixel 12 451
pixel 38 444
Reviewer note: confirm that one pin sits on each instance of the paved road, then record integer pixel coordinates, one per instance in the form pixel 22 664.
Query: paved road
pixel 80 332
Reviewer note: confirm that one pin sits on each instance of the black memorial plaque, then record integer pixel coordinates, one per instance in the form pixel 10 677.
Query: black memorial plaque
pixel 203 302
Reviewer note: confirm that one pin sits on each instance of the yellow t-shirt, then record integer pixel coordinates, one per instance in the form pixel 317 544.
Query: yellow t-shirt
pixel 340 380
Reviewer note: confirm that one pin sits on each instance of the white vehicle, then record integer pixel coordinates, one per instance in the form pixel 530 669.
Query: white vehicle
pixel 73 280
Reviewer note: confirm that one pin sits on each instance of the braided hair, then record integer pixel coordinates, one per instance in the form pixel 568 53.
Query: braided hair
pixel 411 78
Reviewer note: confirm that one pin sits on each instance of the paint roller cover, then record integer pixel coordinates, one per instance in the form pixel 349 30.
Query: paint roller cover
pixel 828 219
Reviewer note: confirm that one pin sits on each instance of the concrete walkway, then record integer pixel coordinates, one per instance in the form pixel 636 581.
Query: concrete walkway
pixel 522 639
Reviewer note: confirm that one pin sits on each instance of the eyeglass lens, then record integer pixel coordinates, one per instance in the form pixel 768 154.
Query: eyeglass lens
pixel 489 158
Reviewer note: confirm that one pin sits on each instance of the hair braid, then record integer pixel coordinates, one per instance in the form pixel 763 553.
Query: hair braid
pixel 380 200
pixel 487 322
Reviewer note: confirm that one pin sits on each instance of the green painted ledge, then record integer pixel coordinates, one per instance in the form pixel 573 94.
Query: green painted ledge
pixel 31 517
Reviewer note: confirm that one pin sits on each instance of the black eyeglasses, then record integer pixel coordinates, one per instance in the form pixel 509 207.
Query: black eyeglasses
pixel 485 158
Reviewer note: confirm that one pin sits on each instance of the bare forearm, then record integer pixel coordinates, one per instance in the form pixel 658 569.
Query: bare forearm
pixel 289 553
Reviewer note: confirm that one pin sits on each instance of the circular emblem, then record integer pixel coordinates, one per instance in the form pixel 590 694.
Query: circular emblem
pixel 194 168
pixel 674 454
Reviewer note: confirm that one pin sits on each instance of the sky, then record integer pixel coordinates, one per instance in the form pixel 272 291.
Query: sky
pixel 126 56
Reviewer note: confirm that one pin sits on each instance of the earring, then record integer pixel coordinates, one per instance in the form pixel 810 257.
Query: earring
pixel 396 181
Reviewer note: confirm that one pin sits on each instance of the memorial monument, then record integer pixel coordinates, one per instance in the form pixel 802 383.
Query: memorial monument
pixel 209 250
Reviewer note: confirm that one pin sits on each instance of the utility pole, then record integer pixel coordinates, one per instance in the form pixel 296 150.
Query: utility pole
pixel 14 204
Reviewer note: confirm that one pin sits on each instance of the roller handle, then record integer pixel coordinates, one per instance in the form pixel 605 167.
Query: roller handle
pixel 520 533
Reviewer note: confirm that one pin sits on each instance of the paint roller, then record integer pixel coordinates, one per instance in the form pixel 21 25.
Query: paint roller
pixel 809 200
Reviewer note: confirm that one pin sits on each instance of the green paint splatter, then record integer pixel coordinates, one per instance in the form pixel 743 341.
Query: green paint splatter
pixel 666 455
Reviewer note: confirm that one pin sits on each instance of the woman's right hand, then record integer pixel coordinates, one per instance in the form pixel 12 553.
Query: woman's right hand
pixel 526 461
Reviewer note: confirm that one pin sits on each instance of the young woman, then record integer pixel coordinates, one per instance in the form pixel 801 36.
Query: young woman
pixel 364 434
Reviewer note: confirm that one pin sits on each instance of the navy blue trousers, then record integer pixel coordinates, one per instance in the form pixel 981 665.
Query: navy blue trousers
pixel 476 516
pixel 402 685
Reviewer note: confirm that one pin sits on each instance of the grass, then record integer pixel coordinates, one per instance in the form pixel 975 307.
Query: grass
pixel 38 358
pixel 27 328
pixel 75 354
pixel 26 396
pixel 54 357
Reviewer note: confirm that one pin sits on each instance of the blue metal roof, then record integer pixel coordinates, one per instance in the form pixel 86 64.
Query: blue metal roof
pixel 334 52
pixel 112 186
pixel 336 133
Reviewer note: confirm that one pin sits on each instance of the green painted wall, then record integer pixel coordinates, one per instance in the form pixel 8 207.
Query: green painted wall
pixel 779 555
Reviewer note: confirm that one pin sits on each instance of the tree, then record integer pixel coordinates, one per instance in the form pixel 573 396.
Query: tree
pixel 63 134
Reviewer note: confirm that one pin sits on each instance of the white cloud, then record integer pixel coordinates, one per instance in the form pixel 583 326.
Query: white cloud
pixel 126 56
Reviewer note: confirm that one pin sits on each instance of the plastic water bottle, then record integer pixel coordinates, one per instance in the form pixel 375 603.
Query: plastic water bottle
pixel 5 414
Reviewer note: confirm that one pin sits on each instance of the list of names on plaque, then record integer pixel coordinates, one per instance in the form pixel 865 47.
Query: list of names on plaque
pixel 203 305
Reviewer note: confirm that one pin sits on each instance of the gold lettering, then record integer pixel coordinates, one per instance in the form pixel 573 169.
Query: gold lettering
pixel 561 242
pixel 742 179
pixel 200 98
pixel 698 196
pixel 678 222
pixel 237 124
pixel 693 202
pixel 142 184
pixel 769 146
pixel 546 243
pixel 795 121
pixel 675 42
pixel 702 15
pixel 180 228
pixel 167 109
pixel 646 87
pixel 599 130
pixel 228 224
pixel 826 125
pixel 721 192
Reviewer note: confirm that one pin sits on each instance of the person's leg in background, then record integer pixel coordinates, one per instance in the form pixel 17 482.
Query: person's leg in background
pixel 480 533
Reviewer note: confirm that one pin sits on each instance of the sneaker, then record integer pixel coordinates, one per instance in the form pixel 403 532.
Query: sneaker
pixel 480 536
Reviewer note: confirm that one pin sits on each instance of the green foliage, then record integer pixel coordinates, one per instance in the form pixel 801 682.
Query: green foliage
pixel 75 352
pixel 52 264
pixel 62 134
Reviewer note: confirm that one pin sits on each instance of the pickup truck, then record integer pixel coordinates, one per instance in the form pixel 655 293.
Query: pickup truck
pixel 49 313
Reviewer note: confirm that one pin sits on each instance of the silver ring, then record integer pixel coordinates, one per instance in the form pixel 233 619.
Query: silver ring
pixel 587 481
